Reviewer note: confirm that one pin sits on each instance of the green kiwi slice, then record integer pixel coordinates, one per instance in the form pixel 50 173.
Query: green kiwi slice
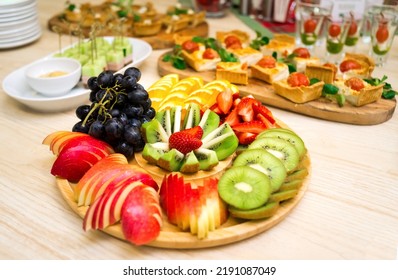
pixel 265 211
pixel 283 195
pixel 264 161
pixel 288 135
pixel 280 148
pixel 291 185
pixel 244 187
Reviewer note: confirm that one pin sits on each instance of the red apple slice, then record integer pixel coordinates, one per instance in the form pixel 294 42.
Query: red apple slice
pixel 73 163
pixel 106 210
pixel 141 218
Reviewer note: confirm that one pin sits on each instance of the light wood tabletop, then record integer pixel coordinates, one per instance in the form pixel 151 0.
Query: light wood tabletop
pixel 349 210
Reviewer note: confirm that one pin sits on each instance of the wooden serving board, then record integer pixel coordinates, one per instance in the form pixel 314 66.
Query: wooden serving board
pixel 322 108
pixel 162 40
pixel 233 230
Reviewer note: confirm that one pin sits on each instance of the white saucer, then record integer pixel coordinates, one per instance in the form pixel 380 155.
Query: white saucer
pixel 16 87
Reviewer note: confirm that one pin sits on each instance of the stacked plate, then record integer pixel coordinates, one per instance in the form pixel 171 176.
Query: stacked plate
pixel 19 24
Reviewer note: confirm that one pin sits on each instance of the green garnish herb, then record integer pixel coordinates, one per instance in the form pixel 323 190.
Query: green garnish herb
pixel 388 92
pixel 259 41
pixel 330 89
pixel 175 58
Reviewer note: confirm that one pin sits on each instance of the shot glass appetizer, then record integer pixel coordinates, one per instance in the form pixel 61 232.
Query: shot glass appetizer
pixel 310 18
pixel 337 31
pixel 384 26
pixel 355 25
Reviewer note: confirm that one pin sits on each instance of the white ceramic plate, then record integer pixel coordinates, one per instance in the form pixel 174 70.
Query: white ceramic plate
pixel 16 87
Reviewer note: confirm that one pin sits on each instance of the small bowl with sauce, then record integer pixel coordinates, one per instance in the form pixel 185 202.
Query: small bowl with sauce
pixel 53 76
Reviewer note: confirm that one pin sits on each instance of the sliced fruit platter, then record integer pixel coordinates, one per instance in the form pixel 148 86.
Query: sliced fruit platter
pixel 278 73
pixel 203 171
pixel 141 21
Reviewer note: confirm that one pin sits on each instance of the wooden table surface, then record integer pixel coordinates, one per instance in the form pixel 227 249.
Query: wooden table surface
pixel 349 211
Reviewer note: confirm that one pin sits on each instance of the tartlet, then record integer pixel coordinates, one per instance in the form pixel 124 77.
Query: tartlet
pixel 358 98
pixel 300 94
pixel 234 72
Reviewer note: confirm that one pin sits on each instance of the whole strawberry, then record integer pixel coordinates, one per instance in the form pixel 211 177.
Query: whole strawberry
pixel 186 140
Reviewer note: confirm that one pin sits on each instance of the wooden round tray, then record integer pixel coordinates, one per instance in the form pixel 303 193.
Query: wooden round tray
pixel 172 237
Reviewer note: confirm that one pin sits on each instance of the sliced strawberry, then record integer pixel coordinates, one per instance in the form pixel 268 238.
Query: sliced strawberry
pixel 196 131
pixel 264 111
pixel 254 126
pixel 246 138
pixel 224 101
pixel 232 118
pixel 265 121
pixel 216 109
pixel 245 108
pixel 184 142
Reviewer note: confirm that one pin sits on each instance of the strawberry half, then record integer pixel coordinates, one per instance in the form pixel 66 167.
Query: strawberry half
pixel 245 108
pixel 186 141
pixel 264 111
pixel 246 138
pixel 195 131
pixel 254 126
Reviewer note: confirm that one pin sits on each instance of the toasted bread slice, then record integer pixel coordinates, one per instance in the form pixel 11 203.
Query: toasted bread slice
pixel 301 94
pixel 270 75
pixel 234 72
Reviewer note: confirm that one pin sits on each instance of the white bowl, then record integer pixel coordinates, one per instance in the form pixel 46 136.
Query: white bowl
pixel 53 76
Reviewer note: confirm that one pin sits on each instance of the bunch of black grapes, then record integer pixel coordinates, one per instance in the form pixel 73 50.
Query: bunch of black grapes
pixel 120 105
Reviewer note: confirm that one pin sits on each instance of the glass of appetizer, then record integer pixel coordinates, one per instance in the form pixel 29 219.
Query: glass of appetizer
pixel 353 34
pixel 371 9
pixel 384 26
pixel 337 31
pixel 310 16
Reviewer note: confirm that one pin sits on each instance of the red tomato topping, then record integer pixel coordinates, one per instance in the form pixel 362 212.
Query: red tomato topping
pixel 297 79
pixel 302 52
pixel 382 33
pixel 190 46
pixel 310 25
pixel 353 29
pixel 349 64
pixel 334 30
pixel 232 41
pixel 355 83
pixel 210 53
pixel 267 62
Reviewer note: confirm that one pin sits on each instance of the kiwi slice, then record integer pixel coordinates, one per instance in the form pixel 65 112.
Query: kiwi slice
pixel 190 164
pixel 288 135
pixel 164 118
pixel 291 185
pixel 297 174
pixel 209 122
pixel 153 151
pixel 264 161
pixel 171 161
pixel 265 211
pixel 283 195
pixel 244 187
pixel 281 148
pixel 222 140
pixel 153 132
pixel 207 158
pixel 192 117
